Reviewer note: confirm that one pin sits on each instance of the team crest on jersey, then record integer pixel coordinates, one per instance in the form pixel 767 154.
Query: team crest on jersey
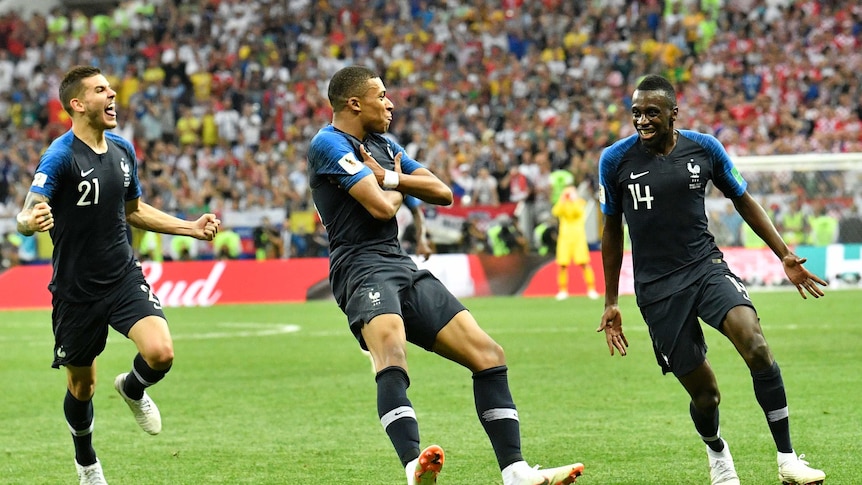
pixel 39 180
pixel 350 164
pixel 127 177
pixel 694 169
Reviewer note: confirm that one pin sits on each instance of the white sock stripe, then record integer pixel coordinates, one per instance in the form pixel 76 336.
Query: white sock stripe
pixel 711 438
pixel 81 432
pixel 141 379
pixel 500 413
pixel 396 414
pixel 777 415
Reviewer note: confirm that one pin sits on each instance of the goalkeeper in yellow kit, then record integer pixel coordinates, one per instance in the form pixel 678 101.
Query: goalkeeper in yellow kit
pixel 570 210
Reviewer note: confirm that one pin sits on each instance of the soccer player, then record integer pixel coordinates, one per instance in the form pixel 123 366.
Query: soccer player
pixel 84 191
pixel 572 241
pixel 657 179
pixel 359 178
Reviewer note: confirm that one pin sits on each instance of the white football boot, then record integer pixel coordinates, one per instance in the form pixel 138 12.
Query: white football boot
pixel 91 474
pixel 145 410
pixel 721 469
pixel 793 470
pixel 520 473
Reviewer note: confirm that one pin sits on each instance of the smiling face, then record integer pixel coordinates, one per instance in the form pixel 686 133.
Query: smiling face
pixel 653 114
pixel 95 103
pixel 376 108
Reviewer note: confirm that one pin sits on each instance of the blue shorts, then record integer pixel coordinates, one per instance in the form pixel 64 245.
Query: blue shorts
pixel 81 329
pixel 423 302
pixel 673 323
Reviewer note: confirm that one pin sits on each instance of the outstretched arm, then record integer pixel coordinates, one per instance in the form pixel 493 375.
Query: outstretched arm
pixel 612 261
pixel 145 216
pixel 759 221
pixel 35 215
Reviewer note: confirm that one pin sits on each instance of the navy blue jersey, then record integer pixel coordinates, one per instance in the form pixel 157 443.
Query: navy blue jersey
pixel 334 166
pixel 662 199
pixel 87 193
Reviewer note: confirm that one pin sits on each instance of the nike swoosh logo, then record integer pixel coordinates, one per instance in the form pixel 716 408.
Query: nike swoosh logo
pixel 638 175
pixel 88 172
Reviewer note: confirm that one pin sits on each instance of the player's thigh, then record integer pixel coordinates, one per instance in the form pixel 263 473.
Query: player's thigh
pixel 462 340
pixel 374 294
pixel 722 291
pixel 428 307
pixel 137 314
pixel 675 331
pixel 80 331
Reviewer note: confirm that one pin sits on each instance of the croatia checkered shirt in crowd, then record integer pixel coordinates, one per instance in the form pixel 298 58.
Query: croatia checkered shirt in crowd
pixel 88 193
pixel 334 166
pixel 662 200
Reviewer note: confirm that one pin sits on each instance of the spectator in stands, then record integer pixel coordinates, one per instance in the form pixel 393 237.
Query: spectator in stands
pixel 183 248
pixel 505 237
pixel 732 222
pixel 267 241
pixel 227 244
pixel 474 237
pixel 823 226
pixel 150 247
pixel 793 222
pixel 9 250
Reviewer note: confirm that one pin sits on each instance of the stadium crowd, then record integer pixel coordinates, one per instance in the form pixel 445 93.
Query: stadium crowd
pixel 221 97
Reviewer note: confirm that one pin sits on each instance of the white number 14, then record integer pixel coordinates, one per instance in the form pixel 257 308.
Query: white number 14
pixel 639 196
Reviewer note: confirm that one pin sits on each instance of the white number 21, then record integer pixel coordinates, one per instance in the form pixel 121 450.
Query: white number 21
pixel 85 187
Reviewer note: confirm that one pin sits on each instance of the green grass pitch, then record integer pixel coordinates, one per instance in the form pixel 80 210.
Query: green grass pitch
pixel 280 394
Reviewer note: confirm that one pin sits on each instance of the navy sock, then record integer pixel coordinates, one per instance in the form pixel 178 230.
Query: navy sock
pixel 497 413
pixel 141 377
pixel 79 416
pixel 770 394
pixel 707 427
pixel 396 412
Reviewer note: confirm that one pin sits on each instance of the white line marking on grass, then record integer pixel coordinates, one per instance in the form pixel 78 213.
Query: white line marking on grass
pixel 251 330
pixel 254 330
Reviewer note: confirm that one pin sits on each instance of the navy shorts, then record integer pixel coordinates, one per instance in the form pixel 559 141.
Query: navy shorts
pixel 423 302
pixel 81 329
pixel 673 323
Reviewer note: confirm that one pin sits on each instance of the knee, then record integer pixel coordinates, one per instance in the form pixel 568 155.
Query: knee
pixel 389 353
pixel 490 355
pixel 82 389
pixel 707 401
pixel 160 356
pixel 756 353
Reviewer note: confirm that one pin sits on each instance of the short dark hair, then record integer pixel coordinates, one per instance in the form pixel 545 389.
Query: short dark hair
pixel 654 82
pixel 346 83
pixel 70 87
